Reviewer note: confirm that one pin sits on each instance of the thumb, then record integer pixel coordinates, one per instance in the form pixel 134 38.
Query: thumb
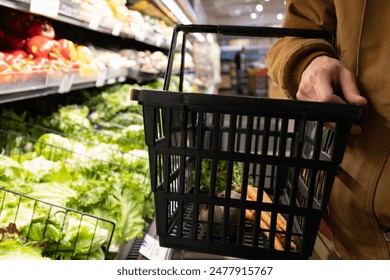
pixel 350 90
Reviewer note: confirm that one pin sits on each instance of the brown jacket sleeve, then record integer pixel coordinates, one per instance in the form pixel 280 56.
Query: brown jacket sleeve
pixel 289 56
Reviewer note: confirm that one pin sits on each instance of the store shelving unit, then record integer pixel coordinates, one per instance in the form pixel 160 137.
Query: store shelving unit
pixel 33 85
pixel 21 87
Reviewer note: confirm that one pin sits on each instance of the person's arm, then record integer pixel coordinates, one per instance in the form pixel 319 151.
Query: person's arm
pixel 308 69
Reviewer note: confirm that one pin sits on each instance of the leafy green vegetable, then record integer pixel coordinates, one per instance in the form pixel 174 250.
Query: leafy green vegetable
pixel 221 175
pixel 10 170
pixel 15 249
pixel 97 163
pixel 53 147
pixel 39 169
pixel 60 233
pixel 71 119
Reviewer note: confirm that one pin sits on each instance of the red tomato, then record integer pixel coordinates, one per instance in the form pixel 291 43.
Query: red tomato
pixel 41 27
pixel 19 53
pixel 68 49
pixel 39 46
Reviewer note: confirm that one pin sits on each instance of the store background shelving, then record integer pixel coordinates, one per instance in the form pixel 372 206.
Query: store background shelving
pixel 137 42
pixel 41 93
pixel 115 37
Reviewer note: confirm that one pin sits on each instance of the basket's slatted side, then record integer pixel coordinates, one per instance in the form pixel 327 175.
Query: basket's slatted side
pixel 318 144
pixel 287 156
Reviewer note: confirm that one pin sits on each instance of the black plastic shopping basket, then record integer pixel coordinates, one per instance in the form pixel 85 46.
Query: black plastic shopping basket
pixel 239 176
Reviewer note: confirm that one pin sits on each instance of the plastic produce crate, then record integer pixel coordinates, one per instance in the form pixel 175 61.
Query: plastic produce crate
pixel 207 152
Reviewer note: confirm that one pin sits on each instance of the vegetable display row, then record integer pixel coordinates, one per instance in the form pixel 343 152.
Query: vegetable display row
pixel 107 16
pixel 89 157
pixel 35 58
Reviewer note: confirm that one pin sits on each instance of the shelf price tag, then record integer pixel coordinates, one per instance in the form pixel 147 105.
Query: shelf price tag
pixel 45 7
pixel 159 40
pixel 101 78
pixel 94 22
pixel 152 250
pixel 66 83
pixel 116 31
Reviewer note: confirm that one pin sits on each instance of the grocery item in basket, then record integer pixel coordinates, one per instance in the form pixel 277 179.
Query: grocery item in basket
pixel 218 217
pixel 265 218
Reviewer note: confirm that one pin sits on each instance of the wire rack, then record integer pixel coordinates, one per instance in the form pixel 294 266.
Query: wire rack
pixel 55 231
pixel 71 150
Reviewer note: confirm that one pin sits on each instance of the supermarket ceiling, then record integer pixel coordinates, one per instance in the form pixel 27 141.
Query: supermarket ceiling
pixel 243 12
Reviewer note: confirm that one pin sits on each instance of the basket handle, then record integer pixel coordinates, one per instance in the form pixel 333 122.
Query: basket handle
pixel 233 30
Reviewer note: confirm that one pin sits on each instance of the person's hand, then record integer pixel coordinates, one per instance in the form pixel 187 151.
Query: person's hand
pixel 327 80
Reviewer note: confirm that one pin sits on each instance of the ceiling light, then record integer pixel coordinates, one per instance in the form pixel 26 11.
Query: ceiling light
pixel 176 11
pixel 253 15
pixel 259 8
pixel 280 16
pixel 179 14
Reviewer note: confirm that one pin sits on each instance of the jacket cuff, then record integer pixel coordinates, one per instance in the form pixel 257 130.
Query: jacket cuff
pixel 298 63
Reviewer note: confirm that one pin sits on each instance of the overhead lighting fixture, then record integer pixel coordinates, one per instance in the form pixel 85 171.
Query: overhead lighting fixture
pixel 253 15
pixel 179 14
pixel 259 8
pixel 280 16
pixel 176 11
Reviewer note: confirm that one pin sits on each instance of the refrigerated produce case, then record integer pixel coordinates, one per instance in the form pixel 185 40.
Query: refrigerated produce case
pixel 30 102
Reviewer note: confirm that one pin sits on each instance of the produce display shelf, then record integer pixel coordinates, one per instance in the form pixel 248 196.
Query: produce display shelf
pixel 153 39
pixel 43 91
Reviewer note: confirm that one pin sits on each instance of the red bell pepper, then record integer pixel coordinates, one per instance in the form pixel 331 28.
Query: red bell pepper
pixel 41 27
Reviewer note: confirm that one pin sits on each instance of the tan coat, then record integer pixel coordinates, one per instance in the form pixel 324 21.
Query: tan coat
pixel 360 200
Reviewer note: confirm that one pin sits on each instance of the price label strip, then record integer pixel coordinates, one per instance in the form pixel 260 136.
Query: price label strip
pixel 152 250
pixel 45 7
